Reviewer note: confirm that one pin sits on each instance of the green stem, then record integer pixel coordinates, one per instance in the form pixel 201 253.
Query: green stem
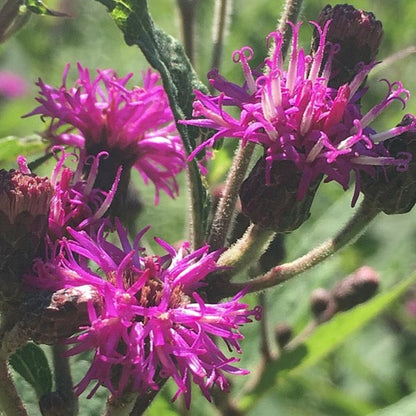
pixel 187 10
pixel 10 402
pixel 226 207
pixel 220 26
pixel 11 18
pixel 290 13
pixel 279 274
pixel 246 250
pixel 63 379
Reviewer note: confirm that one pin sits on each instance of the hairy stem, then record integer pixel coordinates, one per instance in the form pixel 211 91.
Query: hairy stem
pixel 247 249
pixel 279 274
pixel 10 402
pixel 63 379
pixel 290 14
pixel 226 207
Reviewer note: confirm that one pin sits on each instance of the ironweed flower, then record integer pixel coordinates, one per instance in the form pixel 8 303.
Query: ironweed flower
pixel 135 127
pixel 76 203
pixel 295 116
pixel 152 323
pixel 24 208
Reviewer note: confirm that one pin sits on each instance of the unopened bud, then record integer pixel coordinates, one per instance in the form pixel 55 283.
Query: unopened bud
pixel 358 35
pixel 322 304
pixel 24 209
pixel 393 191
pixel 283 334
pixel 50 318
pixel 356 288
pixel 275 205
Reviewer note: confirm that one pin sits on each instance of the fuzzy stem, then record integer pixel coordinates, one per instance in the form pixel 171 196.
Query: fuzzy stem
pixel 290 13
pixel 279 274
pixel 10 402
pixel 226 207
pixel 187 10
pixel 63 379
pixel 247 249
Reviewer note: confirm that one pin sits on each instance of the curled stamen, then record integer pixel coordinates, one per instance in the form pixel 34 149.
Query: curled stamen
pixel 243 56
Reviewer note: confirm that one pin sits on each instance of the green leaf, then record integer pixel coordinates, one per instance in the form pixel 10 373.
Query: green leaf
pixel 326 338
pixel 11 147
pixel 404 407
pixel 38 7
pixel 31 363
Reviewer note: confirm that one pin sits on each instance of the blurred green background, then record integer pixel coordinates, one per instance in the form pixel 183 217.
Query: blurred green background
pixel 376 367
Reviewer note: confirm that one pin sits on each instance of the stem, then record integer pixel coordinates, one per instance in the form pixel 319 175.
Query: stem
pixel 279 274
pixel 144 401
pixel 63 379
pixel 11 19
pixel 187 9
pixel 226 207
pixel 221 23
pixel 10 402
pixel 290 14
pixel 247 249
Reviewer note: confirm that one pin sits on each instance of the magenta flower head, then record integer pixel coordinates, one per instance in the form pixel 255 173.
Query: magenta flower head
pixel 134 126
pixel 152 324
pixel 11 85
pixel 295 116
pixel 76 203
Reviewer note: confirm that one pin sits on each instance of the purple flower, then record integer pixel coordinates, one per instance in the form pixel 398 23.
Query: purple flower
pixel 135 127
pixel 11 85
pixel 76 203
pixel 153 324
pixel 296 117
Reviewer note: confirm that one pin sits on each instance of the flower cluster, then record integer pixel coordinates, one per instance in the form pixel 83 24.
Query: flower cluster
pixel 295 116
pixel 152 324
pixel 135 127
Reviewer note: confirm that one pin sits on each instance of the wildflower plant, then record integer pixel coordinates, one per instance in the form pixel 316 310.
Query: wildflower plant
pixel 149 322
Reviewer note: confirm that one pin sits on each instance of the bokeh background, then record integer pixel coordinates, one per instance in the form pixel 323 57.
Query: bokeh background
pixel 373 371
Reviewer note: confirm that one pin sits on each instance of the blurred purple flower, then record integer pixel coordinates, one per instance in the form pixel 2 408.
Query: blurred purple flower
pixel 11 85
pixel 135 127
pixel 153 324
pixel 296 117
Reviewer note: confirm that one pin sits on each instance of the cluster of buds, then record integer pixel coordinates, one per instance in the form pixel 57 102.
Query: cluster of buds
pixel 349 292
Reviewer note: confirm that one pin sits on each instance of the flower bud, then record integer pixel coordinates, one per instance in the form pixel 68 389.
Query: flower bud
pixel 358 35
pixel 356 288
pixel 283 334
pixel 275 205
pixel 393 191
pixel 322 304
pixel 24 208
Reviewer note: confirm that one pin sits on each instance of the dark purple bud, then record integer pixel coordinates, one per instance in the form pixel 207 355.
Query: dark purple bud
pixel 356 288
pixel 358 35
pixel 275 205
pixel 283 334
pixel 322 304
pixel 391 190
